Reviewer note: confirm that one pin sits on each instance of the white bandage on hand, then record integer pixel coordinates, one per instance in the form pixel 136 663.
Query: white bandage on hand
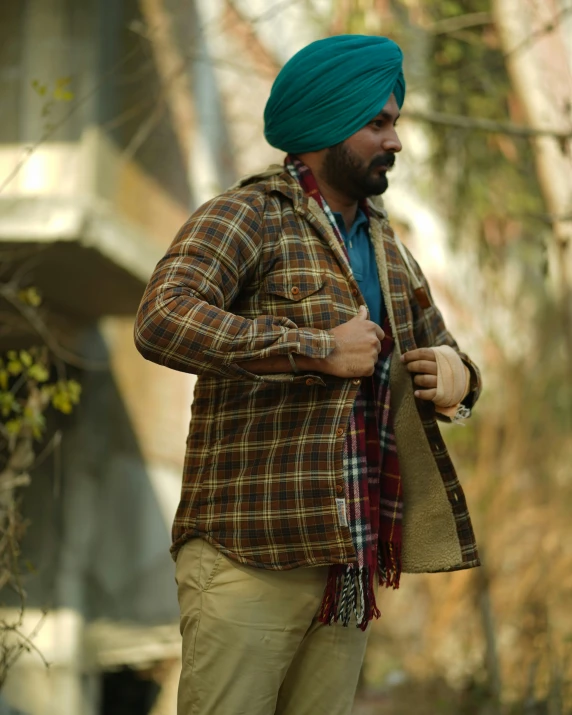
pixel 453 378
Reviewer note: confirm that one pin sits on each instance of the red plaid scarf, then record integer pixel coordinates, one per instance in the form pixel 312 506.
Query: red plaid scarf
pixel 373 499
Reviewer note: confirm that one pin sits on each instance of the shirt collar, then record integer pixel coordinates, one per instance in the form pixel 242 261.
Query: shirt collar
pixel 360 219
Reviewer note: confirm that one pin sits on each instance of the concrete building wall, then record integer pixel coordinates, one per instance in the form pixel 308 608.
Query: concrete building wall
pixel 100 513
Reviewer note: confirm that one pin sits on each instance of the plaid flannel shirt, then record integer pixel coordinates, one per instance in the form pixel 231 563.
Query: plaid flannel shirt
pixel 258 272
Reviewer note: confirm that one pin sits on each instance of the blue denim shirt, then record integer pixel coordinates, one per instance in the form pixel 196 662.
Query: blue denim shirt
pixel 362 261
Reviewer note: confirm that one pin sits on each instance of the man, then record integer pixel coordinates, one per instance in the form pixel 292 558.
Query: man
pixel 314 466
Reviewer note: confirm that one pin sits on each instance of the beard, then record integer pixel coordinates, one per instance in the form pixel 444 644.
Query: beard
pixel 345 171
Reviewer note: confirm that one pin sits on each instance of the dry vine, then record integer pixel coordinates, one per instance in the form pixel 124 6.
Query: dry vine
pixel 32 381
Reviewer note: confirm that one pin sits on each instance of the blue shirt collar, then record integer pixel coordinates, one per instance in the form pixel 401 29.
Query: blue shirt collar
pixel 360 219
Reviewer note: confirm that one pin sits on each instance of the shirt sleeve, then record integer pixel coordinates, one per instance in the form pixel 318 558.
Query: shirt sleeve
pixel 184 322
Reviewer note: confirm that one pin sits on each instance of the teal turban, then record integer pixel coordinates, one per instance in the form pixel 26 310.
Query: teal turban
pixel 331 89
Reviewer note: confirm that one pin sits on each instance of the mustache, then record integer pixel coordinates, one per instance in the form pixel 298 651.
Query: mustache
pixel 386 161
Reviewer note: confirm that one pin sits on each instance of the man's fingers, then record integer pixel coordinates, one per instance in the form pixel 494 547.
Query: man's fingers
pixel 379 332
pixel 419 354
pixel 425 380
pixel 362 313
pixel 425 394
pixel 425 367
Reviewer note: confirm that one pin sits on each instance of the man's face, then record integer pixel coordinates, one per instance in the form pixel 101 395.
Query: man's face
pixel 357 167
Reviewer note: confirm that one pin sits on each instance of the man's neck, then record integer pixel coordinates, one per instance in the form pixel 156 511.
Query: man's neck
pixel 339 203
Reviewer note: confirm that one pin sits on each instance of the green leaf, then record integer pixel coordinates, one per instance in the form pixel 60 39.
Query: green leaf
pixel 29 566
pixel 25 358
pixel 7 401
pixel 30 296
pixel 63 95
pixel 62 92
pixel 47 391
pixel 74 391
pixel 14 426
pixel 15 367
pixel 62 403
pixel 36 421
pixel 39 88
pixel 38 372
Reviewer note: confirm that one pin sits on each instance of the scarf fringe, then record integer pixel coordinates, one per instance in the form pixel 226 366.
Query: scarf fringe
pixel 349 590
pixel 389 564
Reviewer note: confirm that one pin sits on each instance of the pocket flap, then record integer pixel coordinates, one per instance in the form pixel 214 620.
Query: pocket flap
pixel 295 287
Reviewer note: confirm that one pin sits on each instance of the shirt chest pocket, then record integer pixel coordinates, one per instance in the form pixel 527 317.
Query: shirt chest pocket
pixel 302 297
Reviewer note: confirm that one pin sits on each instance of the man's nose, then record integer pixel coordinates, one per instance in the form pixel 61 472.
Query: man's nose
pixel 391 142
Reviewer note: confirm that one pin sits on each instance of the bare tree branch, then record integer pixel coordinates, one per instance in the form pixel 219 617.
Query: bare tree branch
pixel 26 644
pixel 22 480
pixel 54 128
pixel 10 294
pixel 546 29
pixel 172 71
pixel 243 27
pixel 461 22
pixel 145 129
pixel 485 125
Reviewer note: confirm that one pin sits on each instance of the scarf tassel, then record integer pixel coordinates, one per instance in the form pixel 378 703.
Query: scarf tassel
pixel 349 590
pixel 389 564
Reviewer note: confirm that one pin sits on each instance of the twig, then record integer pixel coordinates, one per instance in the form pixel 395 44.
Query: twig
pixel 26 644
pixel 22 480
pixel 276 9
pixel 268 14
pixel 53 129
pixel 145 128
pixel 462 22
pixel 548 219
pixel 260 54
pixel 485 125
pixel 8 292
pixel 33 260
pixel 52 445
pixel 546 29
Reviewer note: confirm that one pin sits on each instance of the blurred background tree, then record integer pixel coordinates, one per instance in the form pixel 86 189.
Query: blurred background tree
pixel 33 381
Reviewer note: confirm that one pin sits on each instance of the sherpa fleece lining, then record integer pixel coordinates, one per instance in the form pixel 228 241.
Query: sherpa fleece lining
pixel 430 540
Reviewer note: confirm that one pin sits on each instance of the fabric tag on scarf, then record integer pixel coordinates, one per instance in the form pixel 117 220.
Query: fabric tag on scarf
pixel 342 516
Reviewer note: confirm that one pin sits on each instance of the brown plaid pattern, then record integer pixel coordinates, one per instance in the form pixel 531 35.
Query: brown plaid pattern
pixel 258 272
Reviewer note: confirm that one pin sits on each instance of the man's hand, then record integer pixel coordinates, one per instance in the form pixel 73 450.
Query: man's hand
pixel 422 362
pixel 358 343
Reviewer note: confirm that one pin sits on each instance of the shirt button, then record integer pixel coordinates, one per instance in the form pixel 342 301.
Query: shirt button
pixel 295 290
pixel 357 381
pixel 339 431
pixel 354 292
pixel 310 381
pixel 339 489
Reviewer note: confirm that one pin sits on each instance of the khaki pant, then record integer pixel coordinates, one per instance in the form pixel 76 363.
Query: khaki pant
pixel 252 644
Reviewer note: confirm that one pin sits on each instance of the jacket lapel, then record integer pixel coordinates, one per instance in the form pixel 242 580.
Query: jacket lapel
pixel 312 212
pixel 309 209
pixel 392 277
